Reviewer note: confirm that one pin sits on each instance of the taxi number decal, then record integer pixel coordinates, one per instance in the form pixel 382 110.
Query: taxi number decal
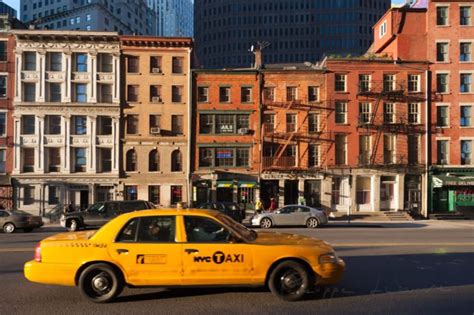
pixel 151 259
pixel 220 257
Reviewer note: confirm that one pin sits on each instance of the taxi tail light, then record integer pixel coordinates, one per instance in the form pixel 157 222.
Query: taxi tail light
pixel 38 252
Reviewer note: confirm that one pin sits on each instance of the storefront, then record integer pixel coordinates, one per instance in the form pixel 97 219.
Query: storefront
pixel 452 191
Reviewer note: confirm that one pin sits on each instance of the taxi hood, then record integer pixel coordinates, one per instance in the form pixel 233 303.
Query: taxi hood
pixel 70 236
pixel 275 238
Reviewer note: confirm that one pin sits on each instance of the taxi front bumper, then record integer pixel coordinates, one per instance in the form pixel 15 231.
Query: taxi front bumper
pixel 330 273
pixel 61 274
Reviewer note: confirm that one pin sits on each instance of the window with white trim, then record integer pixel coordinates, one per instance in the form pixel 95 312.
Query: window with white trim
pixel 442 16
pixel 466 116
pixel 414 113
pixel 442 116
pixel 466 152
pixel 442 151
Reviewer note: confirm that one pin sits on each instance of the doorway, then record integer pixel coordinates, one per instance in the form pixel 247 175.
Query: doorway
pixel 268 189
pixel 225 194
pixel 387 193
pixel 84 199
pixel 312 193
pixel 291 192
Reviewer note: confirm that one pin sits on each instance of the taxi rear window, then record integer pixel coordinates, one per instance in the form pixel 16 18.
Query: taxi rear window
pixel 149 229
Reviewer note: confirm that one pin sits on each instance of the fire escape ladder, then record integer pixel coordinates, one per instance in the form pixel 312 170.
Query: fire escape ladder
pixel 282 148
pixel 378 136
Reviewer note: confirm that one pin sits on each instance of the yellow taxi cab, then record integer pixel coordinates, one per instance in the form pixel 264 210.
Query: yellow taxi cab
pixel 169 248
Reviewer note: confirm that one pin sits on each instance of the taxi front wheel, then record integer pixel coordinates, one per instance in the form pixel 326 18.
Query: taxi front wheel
pixel 289 281
pixel 100 283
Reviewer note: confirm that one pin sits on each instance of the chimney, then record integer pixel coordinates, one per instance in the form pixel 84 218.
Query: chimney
pixel 258 58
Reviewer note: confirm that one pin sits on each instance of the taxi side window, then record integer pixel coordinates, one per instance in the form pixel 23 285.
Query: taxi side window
pixel 129 231
pixel 159 229
pixel 203 230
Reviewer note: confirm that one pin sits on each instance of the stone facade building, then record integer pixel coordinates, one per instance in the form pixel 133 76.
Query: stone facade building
pixel 66 119
pixel 156 119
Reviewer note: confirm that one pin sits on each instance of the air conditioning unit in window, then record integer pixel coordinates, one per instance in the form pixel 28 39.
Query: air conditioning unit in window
pixel 156 70
pixel 155 130
pixel 467 161
pixel 444 161
pixel 156 99
pixel 243 131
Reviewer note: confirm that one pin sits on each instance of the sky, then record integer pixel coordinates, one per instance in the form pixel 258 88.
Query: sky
pixel 16 3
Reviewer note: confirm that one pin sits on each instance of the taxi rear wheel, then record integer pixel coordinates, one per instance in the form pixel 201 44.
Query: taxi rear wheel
pixel 289 281
pixel 100 283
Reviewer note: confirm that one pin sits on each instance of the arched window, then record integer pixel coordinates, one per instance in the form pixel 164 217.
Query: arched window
pixel 131 161
pixel 153 161
pixel 176 161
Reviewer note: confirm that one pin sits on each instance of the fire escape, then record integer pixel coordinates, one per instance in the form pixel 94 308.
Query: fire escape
pixel 386 108
pixel 283 140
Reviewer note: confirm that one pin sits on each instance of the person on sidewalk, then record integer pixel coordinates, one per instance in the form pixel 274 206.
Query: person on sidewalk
pixel 301 200
pixel 258 206
pixel 272 205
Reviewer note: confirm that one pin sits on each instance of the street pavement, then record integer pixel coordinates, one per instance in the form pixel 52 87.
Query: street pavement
pixel 421 267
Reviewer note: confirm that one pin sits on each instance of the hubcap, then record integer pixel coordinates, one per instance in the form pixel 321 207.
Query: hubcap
pixel 266 223
pixel 73 225
pixel 291 281
pixel 313 223
pixel 9 228
pixel 101 284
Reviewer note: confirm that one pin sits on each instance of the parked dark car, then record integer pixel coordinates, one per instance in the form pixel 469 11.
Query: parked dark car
pixel 232 209
pixel 100 213
pixel 10 221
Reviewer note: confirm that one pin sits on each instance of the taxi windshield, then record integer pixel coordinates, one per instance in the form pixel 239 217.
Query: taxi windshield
pixel 248 234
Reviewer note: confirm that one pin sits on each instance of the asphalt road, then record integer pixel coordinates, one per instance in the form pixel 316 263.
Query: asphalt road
pixel 397 268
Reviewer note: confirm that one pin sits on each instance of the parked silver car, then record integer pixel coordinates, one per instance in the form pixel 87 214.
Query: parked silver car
pixel 13 220
pixel 291 215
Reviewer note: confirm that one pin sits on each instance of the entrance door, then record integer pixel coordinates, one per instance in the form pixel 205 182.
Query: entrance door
pixel 225 194
pixel 84 199
pixel 291 192
pixel 312 193
pixel 202 195
pixel 387 193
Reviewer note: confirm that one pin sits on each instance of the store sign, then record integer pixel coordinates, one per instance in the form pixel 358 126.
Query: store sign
pixel 224 154
pixel 229 128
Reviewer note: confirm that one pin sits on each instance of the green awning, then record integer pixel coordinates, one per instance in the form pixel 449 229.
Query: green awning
pixel 247 184
pixel 444 180
pixel 225 184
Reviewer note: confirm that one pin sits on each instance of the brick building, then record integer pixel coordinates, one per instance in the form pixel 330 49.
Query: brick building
pixel 226 136
pixel 156 108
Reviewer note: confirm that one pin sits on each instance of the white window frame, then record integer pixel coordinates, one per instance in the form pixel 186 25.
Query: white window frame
pixel 344 113
pixel 470 43
pixel 446 44
pixel 471 86
pixel 383 29
pixel 447 73
pixel 461 105
pixel 363 106
pixel 411 112
pixel 344 76
pixel 417 82
pixel 448 118
pixel 392 112
pixel 461 139
pixel 4 111
pixel 443 5
pixel 448 153
pixel 3 153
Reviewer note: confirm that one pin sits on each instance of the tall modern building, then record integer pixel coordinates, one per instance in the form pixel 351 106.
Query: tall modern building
pixel 297 30
pixel 122 16
pixel 6 9
pixel 173 17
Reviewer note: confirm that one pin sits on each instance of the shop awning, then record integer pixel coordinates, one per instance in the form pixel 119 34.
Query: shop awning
pixel 225 184
pixel 444 180
pixel 240 184
pixel 247 184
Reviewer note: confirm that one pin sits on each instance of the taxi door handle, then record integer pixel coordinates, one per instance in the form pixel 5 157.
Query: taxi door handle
pixel 122 251
pixel 191 250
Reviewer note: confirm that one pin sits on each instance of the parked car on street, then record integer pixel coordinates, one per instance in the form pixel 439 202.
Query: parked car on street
pixel 232 209
pixel 183 247
pixel 100 213
pixel 291 215
pixel 10 221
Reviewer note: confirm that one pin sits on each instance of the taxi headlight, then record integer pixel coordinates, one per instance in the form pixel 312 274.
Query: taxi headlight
pixel 328 258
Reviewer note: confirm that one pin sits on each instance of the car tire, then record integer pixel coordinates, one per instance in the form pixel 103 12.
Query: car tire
pixel 73 225
pixel 312 223
pixel 266 223
pixel 100 283
pixel 289 281
pixel 9 227
pixel 28 230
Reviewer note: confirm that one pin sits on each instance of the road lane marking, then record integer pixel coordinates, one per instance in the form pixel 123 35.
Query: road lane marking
pixel 18 250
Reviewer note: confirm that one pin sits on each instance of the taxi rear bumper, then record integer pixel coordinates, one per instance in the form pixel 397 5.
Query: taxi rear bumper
pixel 60 274
pixel 330 273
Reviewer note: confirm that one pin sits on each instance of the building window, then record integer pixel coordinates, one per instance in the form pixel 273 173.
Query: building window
pixel 413 149
pixel 177 94
pixel 206 123
pixel 206 157
pixel 388 113
pixel 466 114
pixel 341 148
pixel 176 161
pixel 313 157
pixel 466 82
pixel 131 192
pixel 340 85
pixel 364 150
pixel 413 83
pixel 224 157
pixel 3 86
pixel 80 62
pixel 389 82
pixel 3 157
pixel 313 93
pixel 54 92
pixel 313 123
pixel 28 195
pixel 132 124
pixel 242 157
pixel 154 122
pixel 245 94
pixel 79 125
pixel 154 161
pixel 55 61
pixel 88 17
pixel 364 83
pixel 104 125
pixel 414 113
pixel 442 16
pixel 3 51
pixel 291 93
pixel 133 64
pixel 105 62
pixel 442 116
pixel 105 93
pixel 337 195
pixel 28 124
pixel 177 125
pixel 28 160
pixel 132 93
pixel 442 83
pixel 341 113
pixel 176 194
pixel 53 124
pixel 54 159
pixel 154 194
pixel 290 122
pixel 364 113
pixel 363 188
pixel 3 124
pixel 80 159
pixel 155 64
pixel 269 122
pixel 465 52
pixel 178 65
pixel 442 150
pixel 466 152
pixel 105 160
pixel 224 94
pixel 465 15
pixel 131 161
pixel 389 143
pixel 80 93
pixel 442 50
pixel 269 94
pixel 29 92
pixel 155 94
pixel 203 94
pixel 29 61
pixel 383 29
